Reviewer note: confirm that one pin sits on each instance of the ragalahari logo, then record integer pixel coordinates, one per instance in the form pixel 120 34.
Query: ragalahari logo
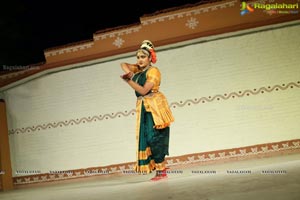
pixel 246 8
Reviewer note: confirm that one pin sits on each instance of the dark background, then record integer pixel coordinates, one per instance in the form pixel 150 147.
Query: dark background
pixel 27 27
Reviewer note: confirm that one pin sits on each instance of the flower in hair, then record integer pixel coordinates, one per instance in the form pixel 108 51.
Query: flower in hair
pixel 153 56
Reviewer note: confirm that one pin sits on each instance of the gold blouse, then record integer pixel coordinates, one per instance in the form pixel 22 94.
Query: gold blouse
pixel 154 76
pixel 156 102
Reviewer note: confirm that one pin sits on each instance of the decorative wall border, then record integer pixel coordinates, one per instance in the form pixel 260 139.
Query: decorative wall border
pixel 211 157
pixel 173 105
pixel 69 49
pixel 189 13
pixel 112 34
pixel 238 94
pixel 11 75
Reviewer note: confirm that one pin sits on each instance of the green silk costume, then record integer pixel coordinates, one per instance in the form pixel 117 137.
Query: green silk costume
pixel 153 120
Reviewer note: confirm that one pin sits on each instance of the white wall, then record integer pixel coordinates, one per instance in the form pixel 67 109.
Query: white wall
pixel 246 62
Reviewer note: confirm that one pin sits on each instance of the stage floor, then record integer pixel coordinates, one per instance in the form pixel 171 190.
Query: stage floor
pixel 273 178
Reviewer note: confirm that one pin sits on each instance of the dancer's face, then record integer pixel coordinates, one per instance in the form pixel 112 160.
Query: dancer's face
pixel 143 59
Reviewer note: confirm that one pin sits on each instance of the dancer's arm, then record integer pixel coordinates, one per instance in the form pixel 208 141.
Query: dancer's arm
pixel 143 90
pixel 127 67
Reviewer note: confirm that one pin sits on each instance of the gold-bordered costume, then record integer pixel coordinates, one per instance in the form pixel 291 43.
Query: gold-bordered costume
pixel 153 123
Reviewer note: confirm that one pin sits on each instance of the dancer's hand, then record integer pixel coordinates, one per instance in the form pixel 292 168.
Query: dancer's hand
pixel 127 76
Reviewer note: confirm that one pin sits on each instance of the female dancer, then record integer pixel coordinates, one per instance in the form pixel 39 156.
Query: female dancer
pixel 153 113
